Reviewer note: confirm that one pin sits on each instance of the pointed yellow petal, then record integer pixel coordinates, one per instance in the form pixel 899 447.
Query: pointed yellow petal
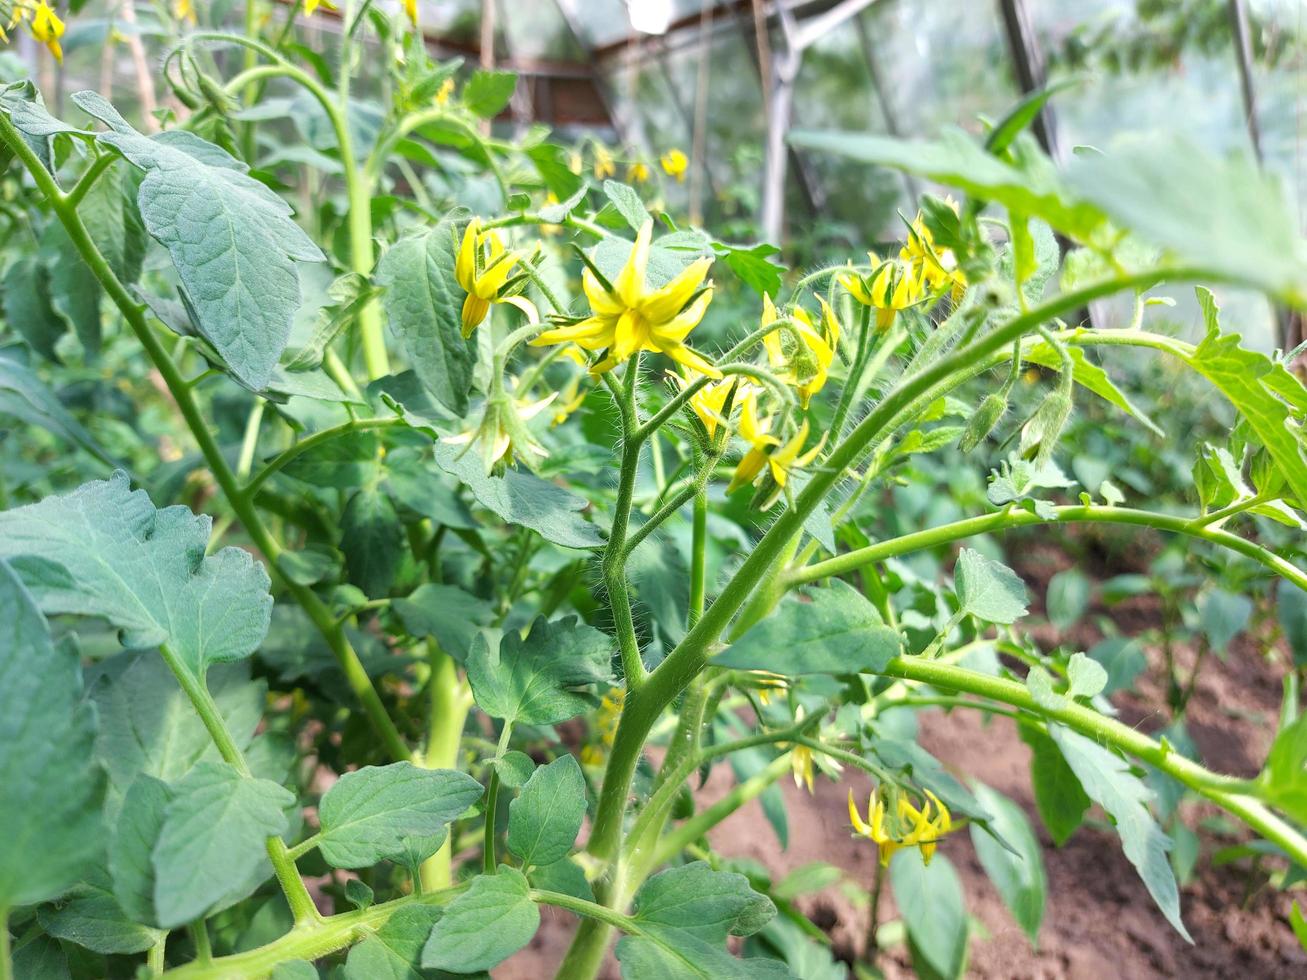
pixel 663 304
pixel 629 284
pixel 465 269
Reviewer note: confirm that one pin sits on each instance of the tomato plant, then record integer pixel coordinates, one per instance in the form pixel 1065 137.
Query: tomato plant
pixel 373 450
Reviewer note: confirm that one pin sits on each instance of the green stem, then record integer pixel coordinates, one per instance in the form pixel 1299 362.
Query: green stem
pixel 6 951
pixel 84 183
pixel 613 565
pixel 155 959
pixel 309 442
pixel 488 863
pixel 1238 507
pixel 698 557
pixel 448 704
pixel 1017 517
pixel 182 395
pixel 1227 792
pixel 200 934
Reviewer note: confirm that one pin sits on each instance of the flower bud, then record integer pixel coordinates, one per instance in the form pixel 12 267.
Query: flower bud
pixel 983 420
pixel 1039 436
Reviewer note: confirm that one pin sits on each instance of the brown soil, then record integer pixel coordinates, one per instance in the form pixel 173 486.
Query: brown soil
pixel 1100 921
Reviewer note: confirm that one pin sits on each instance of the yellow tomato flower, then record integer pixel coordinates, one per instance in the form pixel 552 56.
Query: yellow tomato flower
pixel 604 165
pixel 501 432
pixel 46 27
pixel 184 10
pixel 767 457
pixel 768 684
pixel 892 286
pixel 445 91
pixel 481 268
pixel 411 8
pixel 606 719
pixel 936 266
pixel 570 399
pixel 632 317
pixel 801 767
pixel 905 827
pixel 805 361
pixel 637 173
pixel 709 403
pixel 674 164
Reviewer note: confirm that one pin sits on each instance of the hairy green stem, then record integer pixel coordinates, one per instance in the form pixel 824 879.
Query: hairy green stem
pixel 448 702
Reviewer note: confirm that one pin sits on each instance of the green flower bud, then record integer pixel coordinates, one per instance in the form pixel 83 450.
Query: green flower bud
pixel 983 420
pixel 1039 436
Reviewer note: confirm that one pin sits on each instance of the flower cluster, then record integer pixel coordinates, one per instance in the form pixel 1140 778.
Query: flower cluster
pixel 41 22
pixel 902 824
pixel 482 268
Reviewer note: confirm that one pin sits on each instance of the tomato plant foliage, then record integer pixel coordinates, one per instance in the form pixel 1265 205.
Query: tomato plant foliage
pixel 402 520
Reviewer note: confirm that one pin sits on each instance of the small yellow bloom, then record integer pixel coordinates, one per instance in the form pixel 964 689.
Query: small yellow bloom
pixel 606 719
pixel 184 10
pixel 801 767
pixel 709 402
pixel 47 28
pixel 575 162
pixel 892 286
pixel 936 266
pixel 604 165
pixel 767 457
pixel 632 317
pixel 481 268
pixel 570 398
pixel 906 826
pixel 637 173
pixel 768 684
pixel 445 91
pixel 311 5
pixel 805 361
pixel 411 8
pixel 674 164
pixel 501 432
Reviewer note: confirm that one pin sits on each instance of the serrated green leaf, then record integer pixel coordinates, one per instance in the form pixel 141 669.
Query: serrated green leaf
pixel 104 550
pixel 232 239
pixel 487 92
pixel 988 589
pixel 368 814
pixel 447 613
pixel 1019 877
pixel 837 631
pixel 929 897
pixel 23 396
pixel 1108 781
pixel 540 680
pixel 109 212
pixel 627 202
pixel 213 841
pixel 485 925
pixel 525 499
pixel 50 806
pixel 696 900
pixel 423 303
pixel 394 952
pixel 546 816
pixel 91 917
pixel 1058 794
pixel 372 540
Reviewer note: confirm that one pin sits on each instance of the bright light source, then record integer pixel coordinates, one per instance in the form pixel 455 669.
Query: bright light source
pixel 651 16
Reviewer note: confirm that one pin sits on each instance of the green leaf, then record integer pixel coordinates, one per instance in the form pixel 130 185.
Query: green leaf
pixel 74 291
pixel 1222 616
pixel 109 212
pixel 1123 660
pixel 1086 677
pixel 1283 781
pixel 696 900
pixel 1034 189
pixel 485 925
pixel 1067 598
pixel 345 462
pixel 751 265
pixel 539 680
pixel 148 725
pixel 211 847
pixel 423 303
pixel 836 632
pixel 627 202
pixel 488 92
pixel 91 917
pixel 1291 608
pixel 514 768
pixel 1244 227
pixel 550 160
pixel 525 499
pixel 50 806
pixel 372 539
pixel 683 957
pixel 41 959
pixel 546 816
pixel 294 970
pixel 131 849
pixel 104 550
pixel 232 239
pixel 1058 794
pixel 1019 877
pixel 1108 781
pixel 929 897
pixel 368 814
pixel 394 952
pixel 988 589
pixel 447 613
pixel 27 306
pixel 23 396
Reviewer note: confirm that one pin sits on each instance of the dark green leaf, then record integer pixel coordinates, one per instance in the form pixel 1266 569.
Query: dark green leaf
pixel 1291 608
pixel 394 952
pixel 836 631
pixel 929 896
pixel 50 805
pixel 27 306
pixel 74 291
pixel 1058 794
pixel 368 814
pixel 540 680
pixel 546 816
pixel 104 550
pixel 1068 597
pixel 485 925
pixel 372 539
pixel 1019 877
pixel 23 396
pixel 131 850
pixel 91 917
pixel 344 462
pixel 447 613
